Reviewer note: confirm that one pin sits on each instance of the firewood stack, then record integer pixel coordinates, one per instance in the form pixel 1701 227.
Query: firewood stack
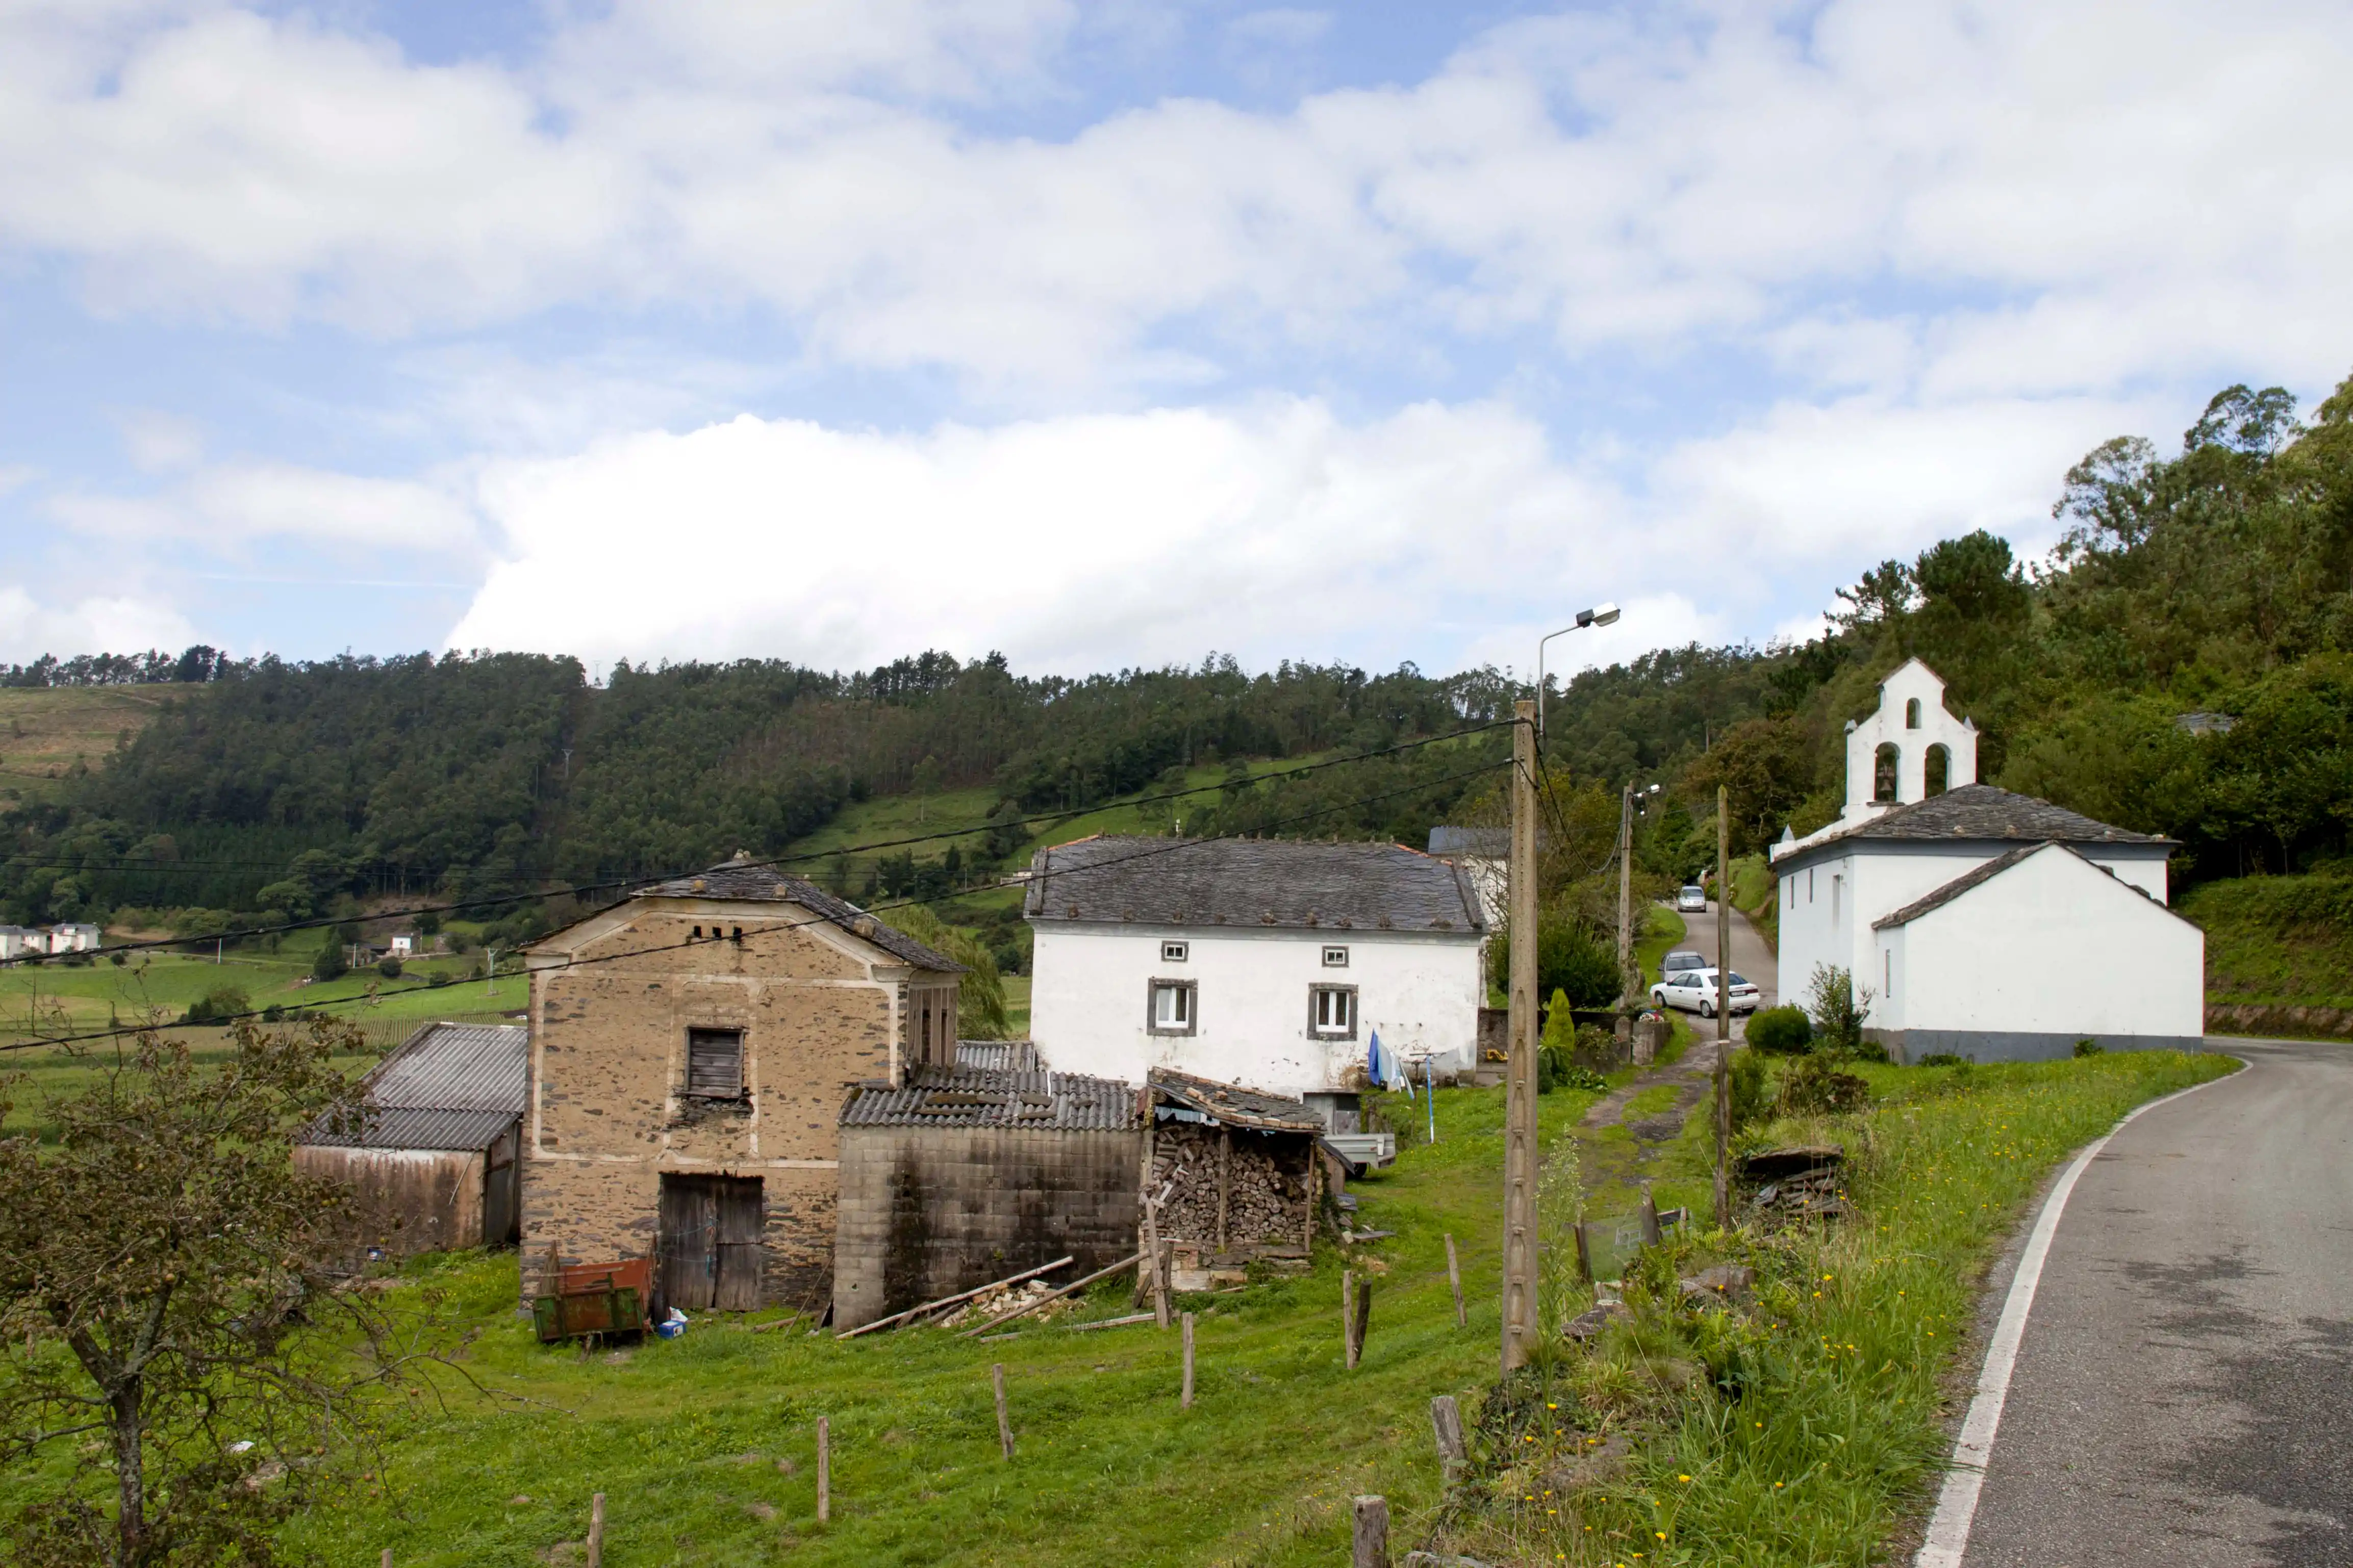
pixel 1265 1186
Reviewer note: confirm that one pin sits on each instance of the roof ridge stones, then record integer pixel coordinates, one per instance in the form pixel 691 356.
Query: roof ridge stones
pixel 741 881
pixel 1280 883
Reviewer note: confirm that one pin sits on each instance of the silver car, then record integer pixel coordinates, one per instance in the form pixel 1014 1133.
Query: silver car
pixel 1693 991
pixel 1692 900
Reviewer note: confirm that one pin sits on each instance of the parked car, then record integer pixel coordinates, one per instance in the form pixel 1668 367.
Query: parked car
pixel 1693 991
pixel 1692 900
pixel 1683 958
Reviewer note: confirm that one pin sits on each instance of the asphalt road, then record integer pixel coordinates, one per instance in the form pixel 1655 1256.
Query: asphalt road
pixel 2184 1390
pixel 1751 959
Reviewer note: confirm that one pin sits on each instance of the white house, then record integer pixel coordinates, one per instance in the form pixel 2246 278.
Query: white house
pixel 1985 924
pixel 17 940
pixel 1484 854
pixel 1261 963
pixel 73 937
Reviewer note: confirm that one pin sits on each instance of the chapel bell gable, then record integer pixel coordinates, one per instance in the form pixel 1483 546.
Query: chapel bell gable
pixel 1910 748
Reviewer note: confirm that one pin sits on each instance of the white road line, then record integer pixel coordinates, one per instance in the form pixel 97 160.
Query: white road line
pixel 1956 1505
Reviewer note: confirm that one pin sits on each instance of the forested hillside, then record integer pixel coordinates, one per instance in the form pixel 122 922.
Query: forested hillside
pixel 2183 664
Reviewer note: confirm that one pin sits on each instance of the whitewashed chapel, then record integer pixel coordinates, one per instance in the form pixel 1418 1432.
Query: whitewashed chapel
pixel 1986 924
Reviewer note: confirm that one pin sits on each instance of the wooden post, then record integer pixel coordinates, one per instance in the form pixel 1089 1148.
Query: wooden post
pixel 1584 1252
pixel 1519 1096
pixel 1348 1316
pixel 387 1557
pixel 1185 1403
pixel 1225 1181
pixel 1372 1535
pixel 1164 1281
pixel 596 1531
pixel 1004 1427
pixel 1723 1007
pixel 1364 1316
pixel 1651 1234
pixel 1454 1277
pixel 824 1468
pixel 1315 1196
pixel 1446 1425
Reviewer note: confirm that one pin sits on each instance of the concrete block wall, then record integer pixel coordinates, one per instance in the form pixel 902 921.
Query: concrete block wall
pixel 928 1211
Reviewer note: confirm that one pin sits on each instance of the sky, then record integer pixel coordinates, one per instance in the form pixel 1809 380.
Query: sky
pixel 1109 335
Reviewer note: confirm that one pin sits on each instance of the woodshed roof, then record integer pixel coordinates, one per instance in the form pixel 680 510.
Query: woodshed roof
pixel 1231 1104
pixel 1275 883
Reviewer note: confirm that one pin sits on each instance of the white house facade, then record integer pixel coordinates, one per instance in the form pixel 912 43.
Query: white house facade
pixel 1265 963
pixel 1984 924
pixel 74 938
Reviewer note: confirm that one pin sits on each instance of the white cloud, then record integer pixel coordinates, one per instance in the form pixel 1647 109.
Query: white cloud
pixel 157 442
pixel 232 504
pixel 2038 199
pixel 102 623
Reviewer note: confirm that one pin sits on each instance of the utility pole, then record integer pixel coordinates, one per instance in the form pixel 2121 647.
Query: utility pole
pixel 1520 1326
pixel 1627 987
pixel 1723 1008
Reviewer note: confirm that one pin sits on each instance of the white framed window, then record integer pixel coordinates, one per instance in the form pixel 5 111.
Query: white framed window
pixel 1172 1007
pixel 1336 958
pixel 1332 1012
pixel 1175 951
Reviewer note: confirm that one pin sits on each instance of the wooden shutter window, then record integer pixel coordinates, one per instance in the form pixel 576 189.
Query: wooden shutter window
pixel 714 1063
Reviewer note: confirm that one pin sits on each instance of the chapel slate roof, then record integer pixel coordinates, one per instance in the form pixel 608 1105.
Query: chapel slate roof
pixel 448 1086
pixel 1982 812
pixel 1232 1103
pixel 1250 882
pixel 743 880
pixel 967 1097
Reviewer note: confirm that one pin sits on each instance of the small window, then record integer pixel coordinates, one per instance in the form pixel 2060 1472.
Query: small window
pixel 1332 1012
pixel 1885 764
pixel 1336 958
pixel 1175 951
pixel 714 1063
pixel 1912 713
pixel 698 934
pixel 1172 1009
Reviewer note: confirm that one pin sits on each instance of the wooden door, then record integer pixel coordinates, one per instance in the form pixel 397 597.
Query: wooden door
pixel 688 1241
pixel 741 1220
pixel 709 1242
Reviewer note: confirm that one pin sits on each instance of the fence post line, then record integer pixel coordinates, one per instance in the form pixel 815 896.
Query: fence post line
pixel 596 1531
pixel 1446 1426
pixel 1371 1539
pixel 1454 1277
pixel 1348 1316
pixel 824 1468
pixel 1004 1427
pixel 1186 1402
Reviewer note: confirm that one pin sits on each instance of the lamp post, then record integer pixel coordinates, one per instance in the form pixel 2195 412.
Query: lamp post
pixel 1599 616
pixel 1519 1154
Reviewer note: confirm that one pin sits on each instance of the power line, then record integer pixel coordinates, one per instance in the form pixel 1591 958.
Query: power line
pixel 634 881
pixel 1172 847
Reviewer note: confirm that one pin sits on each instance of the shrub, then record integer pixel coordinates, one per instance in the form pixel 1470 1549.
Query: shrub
pixel 329 964
pixel 2090 1048
pixel 1816 1087
pixel 1749 1103
pixel 1784 1031
pixel 1940 1060
pixel 218 1005
pixel 437 978
pixel 388 966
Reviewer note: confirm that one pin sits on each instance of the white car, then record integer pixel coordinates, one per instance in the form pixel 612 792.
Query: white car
pixel 1693 991
pixel 1692 900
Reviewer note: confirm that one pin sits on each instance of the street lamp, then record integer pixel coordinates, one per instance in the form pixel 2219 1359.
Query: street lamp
pixel 1599 616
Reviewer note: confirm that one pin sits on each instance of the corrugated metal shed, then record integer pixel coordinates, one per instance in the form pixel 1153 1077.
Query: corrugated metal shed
pixel 1231 1104
pixel 450 1085
pixel 965 1097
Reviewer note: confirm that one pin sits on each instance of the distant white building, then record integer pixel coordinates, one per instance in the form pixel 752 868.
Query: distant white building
pixel 1261 963
pixel 1986 924
pixel 16 941
pixel 1484 854
pixel 73 938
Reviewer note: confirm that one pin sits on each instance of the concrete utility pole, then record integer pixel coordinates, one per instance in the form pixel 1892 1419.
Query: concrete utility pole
pixel 1627 986
pixel 1723 1007
pixel 1520 1092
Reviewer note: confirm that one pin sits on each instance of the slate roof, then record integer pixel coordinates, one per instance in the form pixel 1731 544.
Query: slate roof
pixel 1490 843
pixel 1981 812
pixel 998 1055
pixel 1232 1103
pixel 742 881
pixel 1272 882
pixel 450 1085
pixel 1938 897
pixel 966 1097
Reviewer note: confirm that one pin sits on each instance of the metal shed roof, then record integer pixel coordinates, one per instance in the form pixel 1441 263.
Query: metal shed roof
pixel 450 1085
pixel 966 1097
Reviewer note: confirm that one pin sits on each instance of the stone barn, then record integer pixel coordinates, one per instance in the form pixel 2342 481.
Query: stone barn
pixel 1235 1176
pixel 433 1163
pixel 962 1176
pixel 690 1049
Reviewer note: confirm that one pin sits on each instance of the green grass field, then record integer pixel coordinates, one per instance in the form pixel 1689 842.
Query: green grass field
pixel 46 732
pixel 705 1446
